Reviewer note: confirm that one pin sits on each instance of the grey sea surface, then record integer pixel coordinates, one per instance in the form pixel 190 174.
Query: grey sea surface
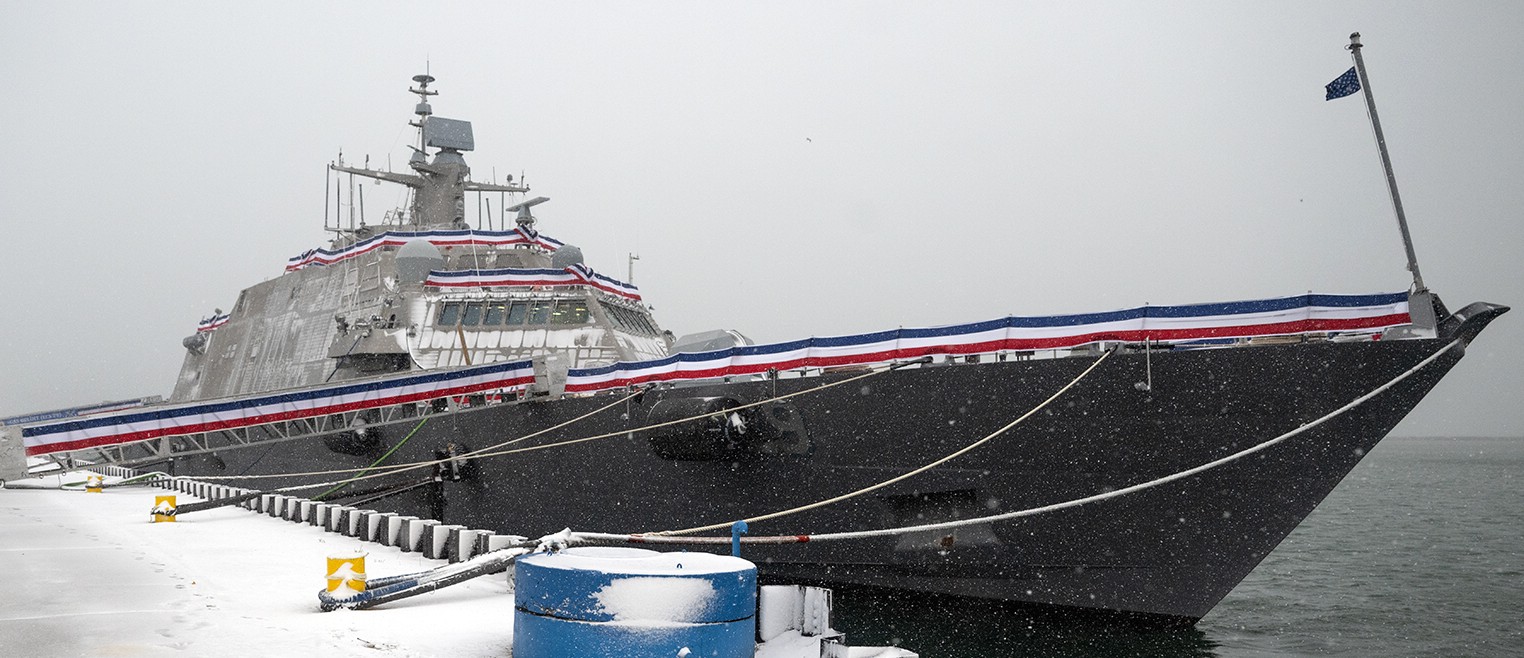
pixel 1418 552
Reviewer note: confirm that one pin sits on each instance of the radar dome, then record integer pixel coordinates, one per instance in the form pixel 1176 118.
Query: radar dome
pixel 565 257
pixel 415 259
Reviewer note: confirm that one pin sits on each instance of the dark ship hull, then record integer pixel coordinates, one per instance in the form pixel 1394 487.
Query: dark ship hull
pixel 1166 555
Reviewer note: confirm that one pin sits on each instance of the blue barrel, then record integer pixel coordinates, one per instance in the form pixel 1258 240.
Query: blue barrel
pixel 633 603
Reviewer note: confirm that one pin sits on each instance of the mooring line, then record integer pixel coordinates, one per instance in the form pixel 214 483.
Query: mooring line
pixel 903 476
pixel 489 452
pixel 380 459
pixel 402 467
pixel 604 538
pixel 689 419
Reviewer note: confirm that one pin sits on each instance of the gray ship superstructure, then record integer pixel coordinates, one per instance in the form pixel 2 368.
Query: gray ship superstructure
pixel 366 311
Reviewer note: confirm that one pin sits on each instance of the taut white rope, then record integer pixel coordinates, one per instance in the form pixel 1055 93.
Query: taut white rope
pixel 589 537
pixel 902 476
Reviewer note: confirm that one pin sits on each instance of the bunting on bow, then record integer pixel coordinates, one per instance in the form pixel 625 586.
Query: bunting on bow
pixel 1165 324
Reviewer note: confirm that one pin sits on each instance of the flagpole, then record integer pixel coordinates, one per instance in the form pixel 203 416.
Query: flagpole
pixel 1386 164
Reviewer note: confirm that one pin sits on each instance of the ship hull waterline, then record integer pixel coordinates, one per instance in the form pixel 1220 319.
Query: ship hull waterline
pixel 1164 555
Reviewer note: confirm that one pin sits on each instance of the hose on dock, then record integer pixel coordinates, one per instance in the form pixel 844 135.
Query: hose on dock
pixel 374 493
pixel 396 588
pixel 142 479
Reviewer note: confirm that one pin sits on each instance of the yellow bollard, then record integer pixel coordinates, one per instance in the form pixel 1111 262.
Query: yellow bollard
pixel 163 509
pixel 346 574
pixel 94 483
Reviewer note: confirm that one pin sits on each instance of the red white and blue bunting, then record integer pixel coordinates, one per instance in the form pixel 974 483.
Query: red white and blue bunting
pixel 459 238
pixel 1171 324
pixel 1301 314
pixel 74 412
pixel 211 323
pixel 234 413
pixel 576 275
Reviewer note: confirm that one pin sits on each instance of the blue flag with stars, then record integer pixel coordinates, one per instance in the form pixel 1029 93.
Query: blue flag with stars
pixel 1343 85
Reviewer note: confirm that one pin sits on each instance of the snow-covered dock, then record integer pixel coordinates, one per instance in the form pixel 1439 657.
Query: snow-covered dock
pixel 88 574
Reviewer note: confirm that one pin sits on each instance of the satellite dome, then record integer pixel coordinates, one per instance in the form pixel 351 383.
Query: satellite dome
pixel 415 259
pixel 565 257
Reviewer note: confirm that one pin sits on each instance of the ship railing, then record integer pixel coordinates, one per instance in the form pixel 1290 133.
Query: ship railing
pixel 177 430
pixel 167 448
pixel 162 432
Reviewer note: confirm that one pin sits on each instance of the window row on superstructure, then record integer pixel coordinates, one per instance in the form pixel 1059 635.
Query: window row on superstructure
pixel 630 320
pixel 499 313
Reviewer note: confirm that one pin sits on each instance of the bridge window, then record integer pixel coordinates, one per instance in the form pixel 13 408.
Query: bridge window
pixel 645 323
pixel 495 313
pixel 631 320
pixel 449 314
pixel 616 315
pixel 518 312
pixel 569 312
pixel 473 314
pixel 540 313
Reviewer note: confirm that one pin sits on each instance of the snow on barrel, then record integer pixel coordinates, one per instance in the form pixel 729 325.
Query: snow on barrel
pixel 636 603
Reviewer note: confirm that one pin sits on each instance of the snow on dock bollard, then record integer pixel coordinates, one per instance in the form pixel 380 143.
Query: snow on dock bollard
pixel 393 535
pixel 358 523
pixel 600 601
pixel 799 608
pixel 346 574
pixel 374 526
pixel 163 509
pixel 461 545
pixel 417 531
pixel 349 521
pixel 319 516
pixel 436 547
pixel 94 484
pixel 340 519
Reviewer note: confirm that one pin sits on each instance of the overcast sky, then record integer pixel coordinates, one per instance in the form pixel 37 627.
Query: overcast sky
pixel 785 169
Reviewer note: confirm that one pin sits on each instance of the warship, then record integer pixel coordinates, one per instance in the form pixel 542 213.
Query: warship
pixel 1137 462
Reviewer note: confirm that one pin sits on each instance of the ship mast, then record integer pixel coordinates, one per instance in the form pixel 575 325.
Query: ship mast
pixel 439 185
pixel 1386 164
pixel 419 156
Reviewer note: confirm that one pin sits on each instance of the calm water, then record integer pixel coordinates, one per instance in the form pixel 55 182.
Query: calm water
pixel 1419 552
